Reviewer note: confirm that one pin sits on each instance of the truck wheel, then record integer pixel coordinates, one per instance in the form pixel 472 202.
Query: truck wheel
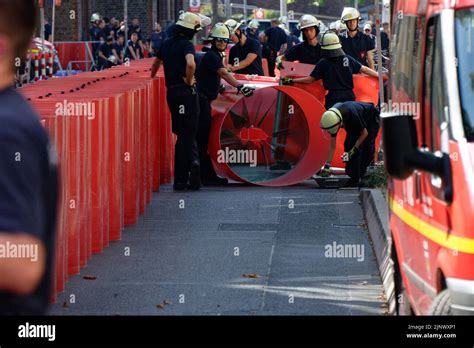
pixel 442 304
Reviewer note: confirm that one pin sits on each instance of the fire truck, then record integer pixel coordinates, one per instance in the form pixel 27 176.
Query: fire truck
pixel 429 155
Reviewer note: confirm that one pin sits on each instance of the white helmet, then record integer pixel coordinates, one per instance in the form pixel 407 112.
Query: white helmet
pixel 233 25
pixel 192 21
pixel 283 20
pixel 282 26
pixel 95 17
pixel 367 26
pixel 331 121
pixel 205 20
pixel 307 21
pixel 253 24
pixel 112 59
pixel 220 31
pixel 331 45
pixel 350 13
pixel 340 26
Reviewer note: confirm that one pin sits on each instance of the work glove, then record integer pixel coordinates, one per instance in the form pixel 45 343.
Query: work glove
pixel 346 156
pixel 287 81
pixel 279 63
pixel 325 171
pixel 245 90
pixel 221 89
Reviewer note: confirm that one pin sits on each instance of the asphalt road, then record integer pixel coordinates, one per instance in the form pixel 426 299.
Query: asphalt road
pixel 236 250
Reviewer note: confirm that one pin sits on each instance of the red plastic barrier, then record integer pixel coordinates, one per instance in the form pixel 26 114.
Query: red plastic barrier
pixel 142 149
pixel 115 171
pixel 155 134
pixel 166 136
pixel 109 163
pixel 74 196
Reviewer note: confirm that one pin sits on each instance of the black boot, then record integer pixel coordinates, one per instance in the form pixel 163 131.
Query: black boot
pixel 179 186
pixel 216 181
pixel 195 177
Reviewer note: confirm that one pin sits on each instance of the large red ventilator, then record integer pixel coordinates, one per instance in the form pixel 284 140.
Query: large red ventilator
pixel 271 139
pixel 279 126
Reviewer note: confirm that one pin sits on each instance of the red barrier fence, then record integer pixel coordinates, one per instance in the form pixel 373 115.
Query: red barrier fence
pixel 110 128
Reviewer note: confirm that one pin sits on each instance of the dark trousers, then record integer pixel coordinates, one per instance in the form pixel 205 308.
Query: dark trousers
pixel 272 56
pixel 184 107
pixel 204 129
pixel 338 96
pixel 104 64
pixel 357 165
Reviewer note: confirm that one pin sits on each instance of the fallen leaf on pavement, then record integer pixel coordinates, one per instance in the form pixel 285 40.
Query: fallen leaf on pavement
pixel 252 275
pixel 89 277
pixel 160 306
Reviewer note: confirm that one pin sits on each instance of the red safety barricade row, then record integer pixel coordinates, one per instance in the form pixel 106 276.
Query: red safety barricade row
pixel 112 133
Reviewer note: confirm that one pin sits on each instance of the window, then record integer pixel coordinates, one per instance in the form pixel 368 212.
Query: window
pixel 406 48
pixel 435 87
pixel 465 57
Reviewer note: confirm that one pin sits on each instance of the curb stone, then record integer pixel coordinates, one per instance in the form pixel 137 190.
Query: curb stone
pixel 375 210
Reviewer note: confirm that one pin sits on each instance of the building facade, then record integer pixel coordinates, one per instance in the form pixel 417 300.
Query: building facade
pixel 72 17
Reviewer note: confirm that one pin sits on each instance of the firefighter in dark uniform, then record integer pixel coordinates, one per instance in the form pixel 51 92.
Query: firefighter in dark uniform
pixel 246 55
pixel 355 43
pixel 308 51
pixel 291 40
pixel 361 123
pixel 209 73
pixel 275 37
pixel 178 57
pixel 336 70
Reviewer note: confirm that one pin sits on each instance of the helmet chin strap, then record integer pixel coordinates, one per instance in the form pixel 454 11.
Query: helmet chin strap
pixel 239 35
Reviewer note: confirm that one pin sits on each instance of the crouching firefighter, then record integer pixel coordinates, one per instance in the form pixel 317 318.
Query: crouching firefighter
pixel 209 73
pixel 178 57
pixel 361 123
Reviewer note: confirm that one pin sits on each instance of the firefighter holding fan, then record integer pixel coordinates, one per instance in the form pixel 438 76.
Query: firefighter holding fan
pixel 209 74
